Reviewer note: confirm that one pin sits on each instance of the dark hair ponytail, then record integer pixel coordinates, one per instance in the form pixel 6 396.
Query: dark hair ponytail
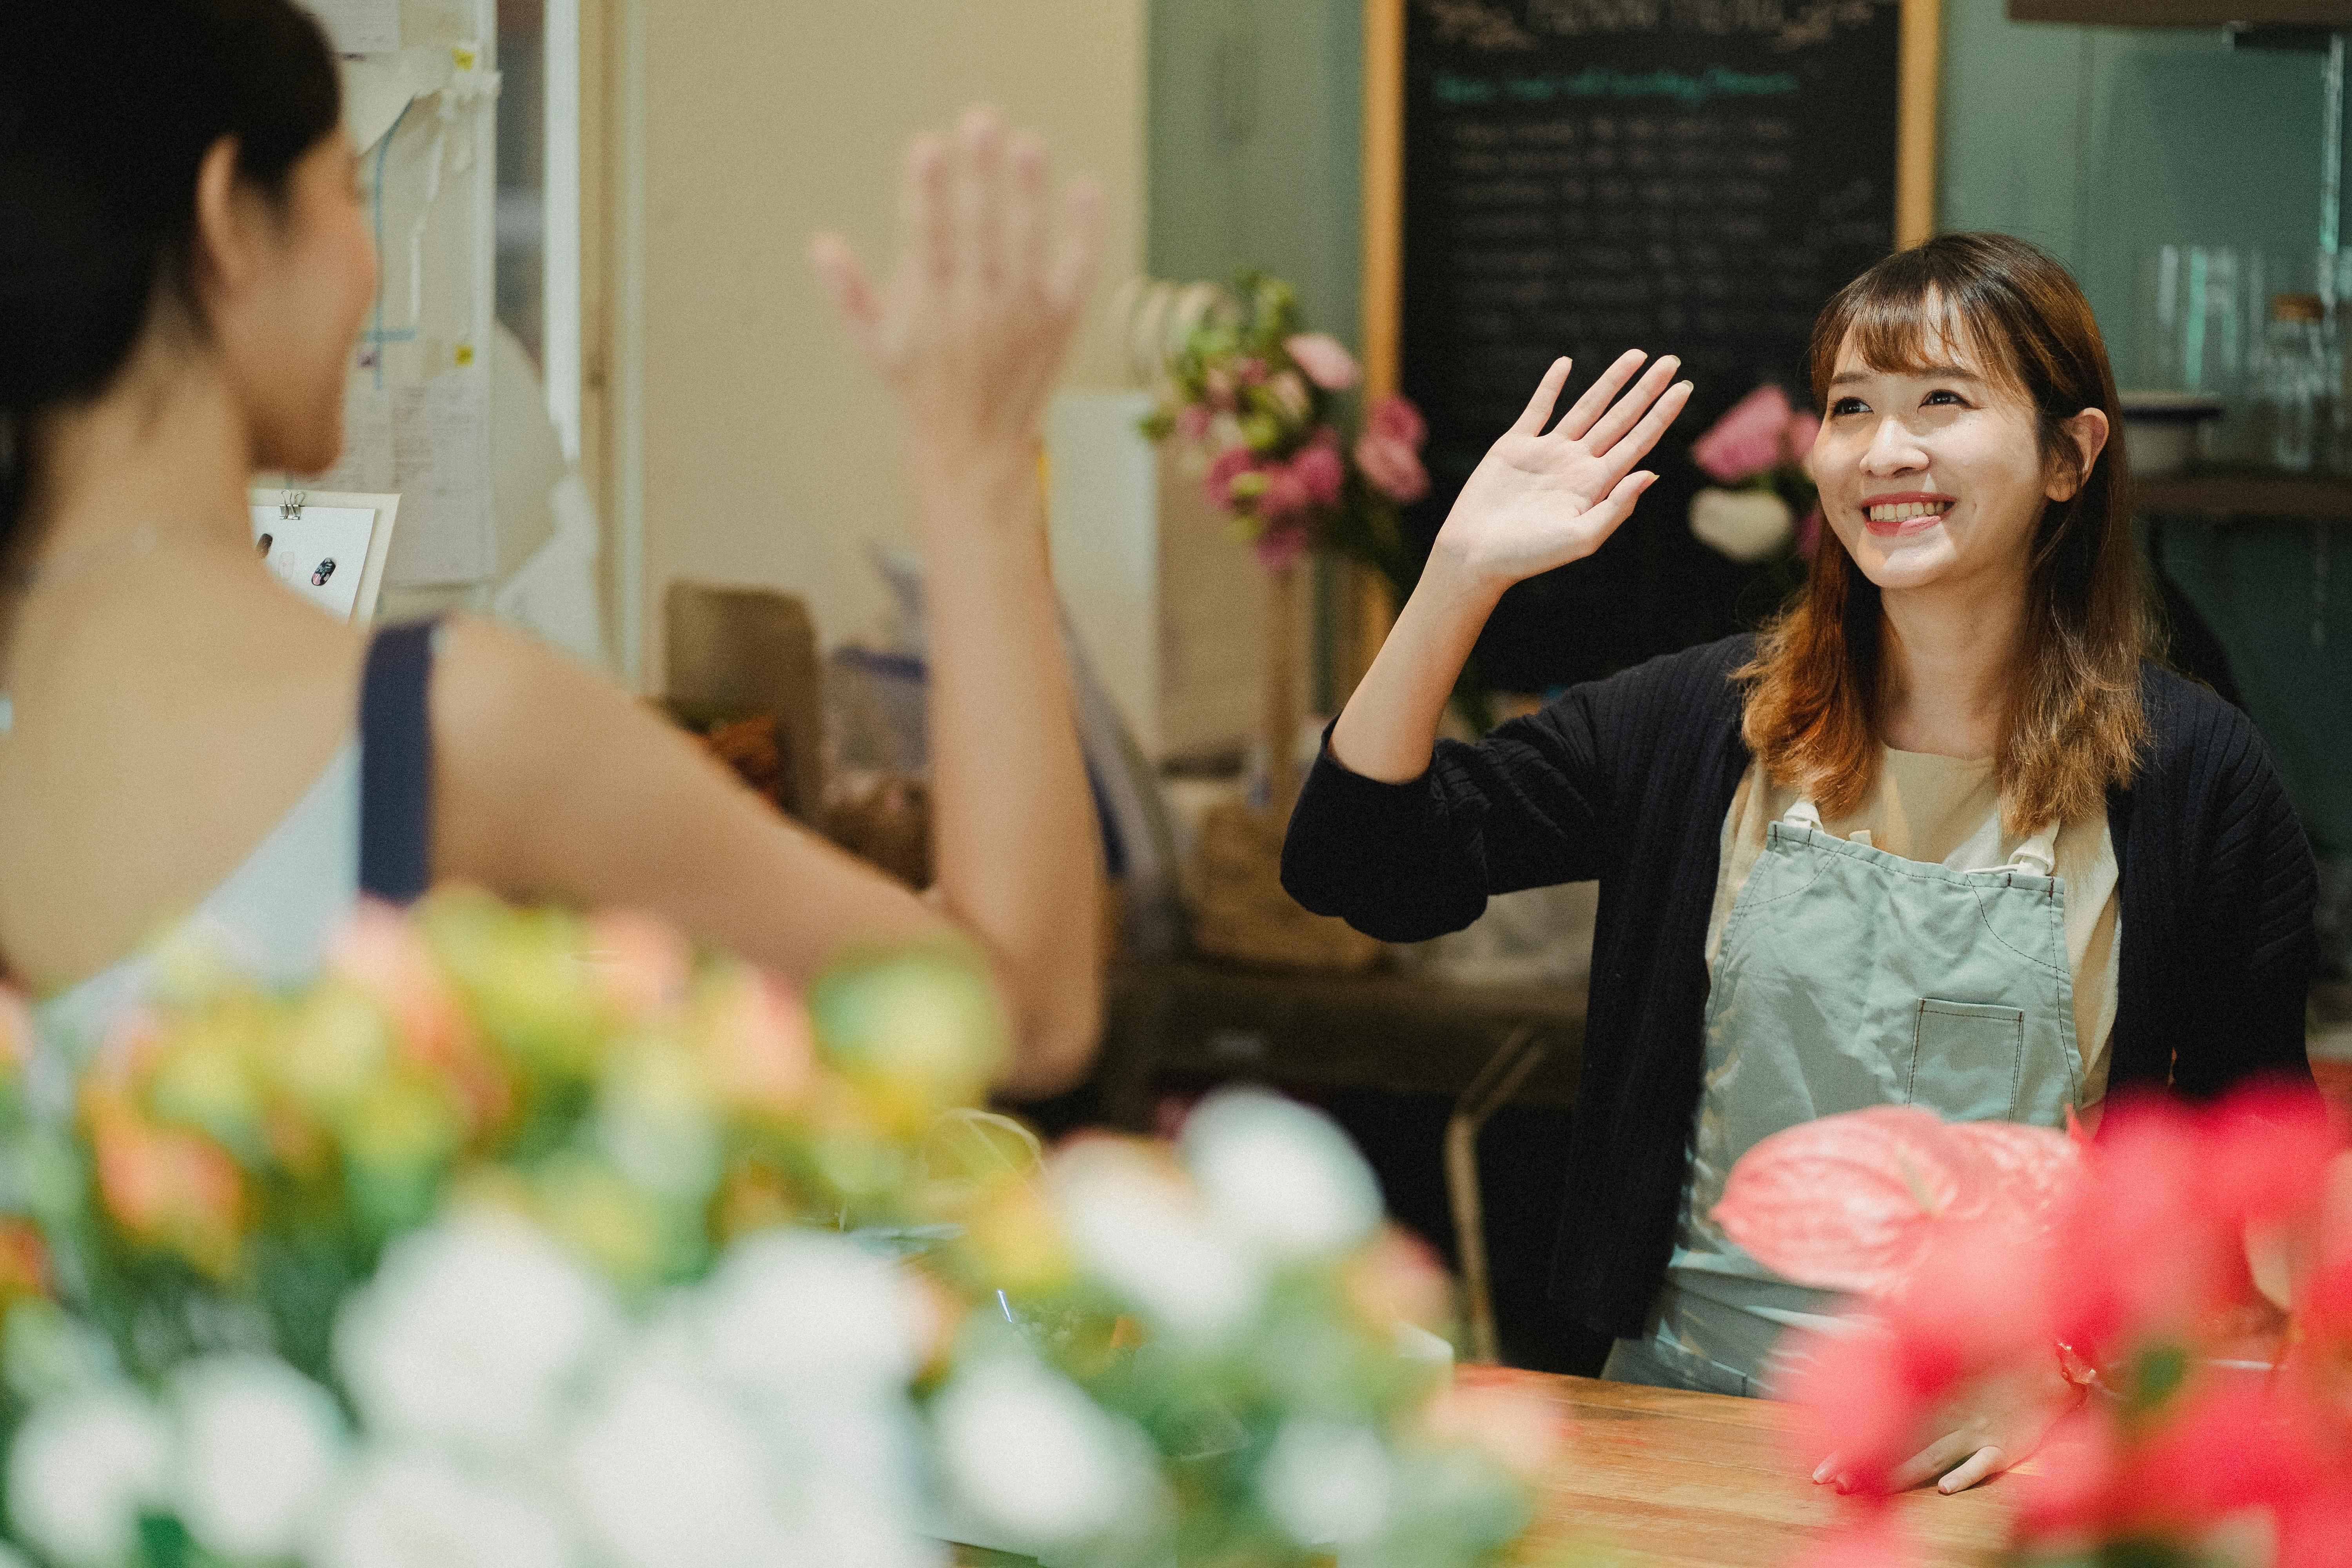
pixel 107 108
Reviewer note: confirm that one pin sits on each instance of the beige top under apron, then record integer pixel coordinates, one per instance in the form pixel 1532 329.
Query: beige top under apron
pixel 1946 811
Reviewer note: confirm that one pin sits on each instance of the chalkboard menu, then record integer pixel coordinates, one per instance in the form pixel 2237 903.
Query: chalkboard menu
pixel 1585 176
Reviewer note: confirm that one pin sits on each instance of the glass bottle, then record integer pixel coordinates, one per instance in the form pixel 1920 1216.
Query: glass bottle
pixel 2291 387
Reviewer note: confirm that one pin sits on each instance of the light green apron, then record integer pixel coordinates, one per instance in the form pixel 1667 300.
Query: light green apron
pixel 1848 978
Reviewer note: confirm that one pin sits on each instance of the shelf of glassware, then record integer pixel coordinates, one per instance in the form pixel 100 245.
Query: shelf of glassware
pixel 2247 492
pixel 2187 13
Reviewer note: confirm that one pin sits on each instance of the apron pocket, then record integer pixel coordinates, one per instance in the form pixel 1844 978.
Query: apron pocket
pixel 1965 1060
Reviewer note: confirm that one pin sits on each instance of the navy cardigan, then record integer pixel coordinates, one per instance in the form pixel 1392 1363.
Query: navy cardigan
pixel 1627 781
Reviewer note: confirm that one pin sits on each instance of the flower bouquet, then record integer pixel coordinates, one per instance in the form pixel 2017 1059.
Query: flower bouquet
pixel 1253 397
pixel 524 1238
pixel 2180 1288
pixel 1756 456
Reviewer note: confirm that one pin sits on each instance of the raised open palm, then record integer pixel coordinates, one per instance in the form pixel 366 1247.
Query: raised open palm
pixel 1540 499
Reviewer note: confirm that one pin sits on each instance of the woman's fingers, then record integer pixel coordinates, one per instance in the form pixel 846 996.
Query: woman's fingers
pixel 1538 412
pixel 1610 428
pixel 980 196
pixel 853 294
pixel 1617 506
pixel 924 248
pixel 1934 1459
pixel 1082 228
pixel 1024 212
pixel 1580 419
pixel 1979 1466
pixel 1637 443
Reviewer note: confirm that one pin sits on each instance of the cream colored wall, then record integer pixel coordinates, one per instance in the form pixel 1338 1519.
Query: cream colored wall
pixel 770 455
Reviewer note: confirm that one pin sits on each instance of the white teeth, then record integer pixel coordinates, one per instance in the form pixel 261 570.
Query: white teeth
pixel 1904 511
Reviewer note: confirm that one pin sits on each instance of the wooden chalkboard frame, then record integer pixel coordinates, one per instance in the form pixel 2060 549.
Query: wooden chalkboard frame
pixel 1383 175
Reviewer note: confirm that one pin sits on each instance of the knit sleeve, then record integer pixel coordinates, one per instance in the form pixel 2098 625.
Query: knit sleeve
pixel 1541 800
pixel 1405 862
pixel 2259 887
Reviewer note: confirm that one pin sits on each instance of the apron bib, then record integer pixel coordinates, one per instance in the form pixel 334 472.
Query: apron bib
pixel 1849 978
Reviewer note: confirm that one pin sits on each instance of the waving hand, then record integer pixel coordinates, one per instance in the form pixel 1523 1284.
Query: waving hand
pixel 1542 498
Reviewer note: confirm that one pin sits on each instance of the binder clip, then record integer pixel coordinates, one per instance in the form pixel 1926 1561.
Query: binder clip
pixel 290 507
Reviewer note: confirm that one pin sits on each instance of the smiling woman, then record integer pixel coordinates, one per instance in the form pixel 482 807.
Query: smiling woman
pixel 1946 835
pixel 1970 462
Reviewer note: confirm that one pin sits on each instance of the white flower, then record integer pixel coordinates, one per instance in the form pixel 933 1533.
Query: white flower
pixel 426 1510
pixel 82 1469
pixel 471 1336
pixel 1032 1456
pixel 790 1311
pixel 667 1474
pixel 1281 1176
pixel 1144 1234
pixel 259 1447
pixel 1746 525
pixel 1326 1481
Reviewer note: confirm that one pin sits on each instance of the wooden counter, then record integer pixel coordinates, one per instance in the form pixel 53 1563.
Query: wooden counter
pixel 1700 1481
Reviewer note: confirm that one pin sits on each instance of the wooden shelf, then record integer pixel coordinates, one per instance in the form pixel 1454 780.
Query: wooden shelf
pixel 2247 493
pixel 2186 12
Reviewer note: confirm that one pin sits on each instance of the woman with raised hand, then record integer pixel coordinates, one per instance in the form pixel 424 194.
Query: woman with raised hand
pixel 1944 835
pixel 184 265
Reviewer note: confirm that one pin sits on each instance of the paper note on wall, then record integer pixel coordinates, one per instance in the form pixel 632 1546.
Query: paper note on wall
pixel 360 26
pixel 366 465
pixel 441 466
pixel 321 553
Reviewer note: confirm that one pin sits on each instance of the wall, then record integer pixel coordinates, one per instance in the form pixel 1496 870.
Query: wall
pixel 771 455
pixel 2096 142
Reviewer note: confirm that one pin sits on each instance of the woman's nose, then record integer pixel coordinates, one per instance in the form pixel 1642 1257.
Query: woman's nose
pixel 1892 450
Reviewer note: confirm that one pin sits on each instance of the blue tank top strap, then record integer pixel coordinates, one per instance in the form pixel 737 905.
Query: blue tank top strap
pixel 396 764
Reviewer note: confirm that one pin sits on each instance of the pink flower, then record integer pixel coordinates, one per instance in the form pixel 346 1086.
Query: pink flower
pixel 1287 493
pixel 1875 1538
pixel 1289 396
pixel 1804 425
pixel 1855 1202
pixel 639 964
pixel 1393 467
pixel 1809 534
pixel 1319 470
pixel 1326 363
pixel 1250 370
pixel 1231 464
pixel 1747 440
pixel 1193 423
pixel 1280 549
pixel 1395 419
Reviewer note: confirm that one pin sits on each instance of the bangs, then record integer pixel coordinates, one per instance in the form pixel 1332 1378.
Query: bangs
pixel 1906 321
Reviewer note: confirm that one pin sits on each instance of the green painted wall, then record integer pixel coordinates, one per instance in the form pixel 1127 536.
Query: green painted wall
pixel 2098 143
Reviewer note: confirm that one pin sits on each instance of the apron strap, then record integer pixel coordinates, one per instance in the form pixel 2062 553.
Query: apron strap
pixel 2036 857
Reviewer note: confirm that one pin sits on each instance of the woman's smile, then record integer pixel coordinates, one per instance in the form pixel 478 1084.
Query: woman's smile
pixel 1900 514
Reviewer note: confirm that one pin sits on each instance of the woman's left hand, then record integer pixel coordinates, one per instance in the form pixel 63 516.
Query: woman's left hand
pixel 971 328
pixel 1997 1424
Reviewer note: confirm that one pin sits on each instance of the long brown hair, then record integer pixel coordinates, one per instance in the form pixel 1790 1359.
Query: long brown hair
pixel 2074 725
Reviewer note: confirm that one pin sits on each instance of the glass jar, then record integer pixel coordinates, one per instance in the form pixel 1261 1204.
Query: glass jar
pixel 2292 386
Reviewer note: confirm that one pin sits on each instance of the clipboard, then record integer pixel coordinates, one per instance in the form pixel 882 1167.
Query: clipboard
pixel 328 546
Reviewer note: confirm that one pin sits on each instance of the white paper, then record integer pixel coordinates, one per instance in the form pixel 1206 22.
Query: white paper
pixel 554 593
pixel 360 26
pixel 320 554
pixel 441 466
pixel 375 91
pixel 366 464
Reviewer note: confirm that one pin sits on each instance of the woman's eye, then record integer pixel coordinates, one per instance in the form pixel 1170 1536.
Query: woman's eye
pixel 1941 396
pixel 1848 406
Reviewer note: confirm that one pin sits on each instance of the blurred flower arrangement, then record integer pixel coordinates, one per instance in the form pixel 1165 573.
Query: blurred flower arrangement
pixel 1756 456
pixel 1252 397
pixel 522 1238
pixel 2189 1270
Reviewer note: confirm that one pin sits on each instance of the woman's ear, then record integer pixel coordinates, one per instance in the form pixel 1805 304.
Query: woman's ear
pixel 2087 433
pixel 227 243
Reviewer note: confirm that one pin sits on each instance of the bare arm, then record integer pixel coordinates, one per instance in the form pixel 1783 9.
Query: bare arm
pixel 1537 500
pixel 553 784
